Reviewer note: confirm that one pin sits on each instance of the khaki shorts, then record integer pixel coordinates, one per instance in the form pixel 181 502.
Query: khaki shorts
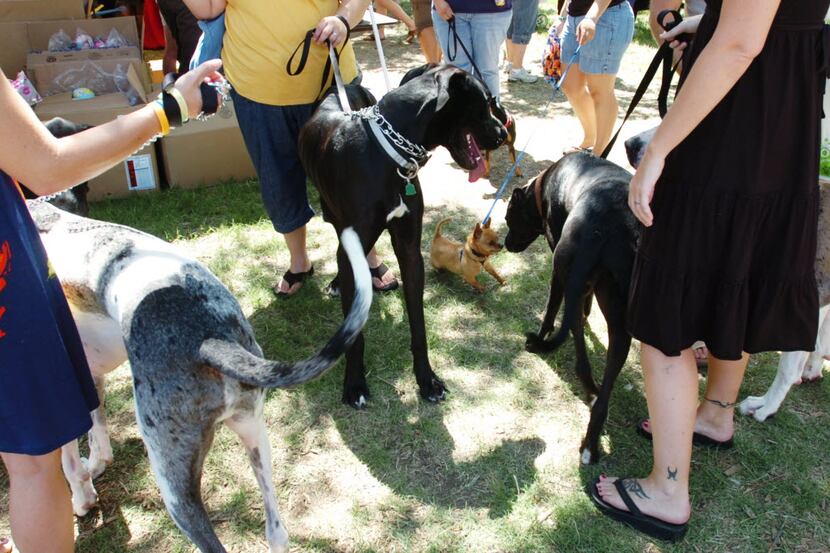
pixel 421 14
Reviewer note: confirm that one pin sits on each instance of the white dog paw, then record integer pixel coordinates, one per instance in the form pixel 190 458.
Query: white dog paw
pixel 758 407
pixel 85 500
pixel 586 456
pixel 812 371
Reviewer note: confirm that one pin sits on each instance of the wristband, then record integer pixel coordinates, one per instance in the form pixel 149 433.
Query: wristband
pixel 164 123
pixel 171 106
pixel 177 95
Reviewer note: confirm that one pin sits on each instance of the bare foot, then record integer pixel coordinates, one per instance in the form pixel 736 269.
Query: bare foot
pixel 650 500
pixel 5 545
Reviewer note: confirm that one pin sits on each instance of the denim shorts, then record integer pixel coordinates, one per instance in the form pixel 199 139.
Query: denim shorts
pixel 603 54
pixel 270 134
pixel 523 23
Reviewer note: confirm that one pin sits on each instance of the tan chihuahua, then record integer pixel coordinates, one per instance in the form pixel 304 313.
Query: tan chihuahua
pixel 467 259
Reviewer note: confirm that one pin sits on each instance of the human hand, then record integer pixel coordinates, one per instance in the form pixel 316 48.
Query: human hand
pixel 443 9
pixel 641 189
pixel 586 30
pixel 560 26
pixel 686 27
pixel 330 28
pixel 190 83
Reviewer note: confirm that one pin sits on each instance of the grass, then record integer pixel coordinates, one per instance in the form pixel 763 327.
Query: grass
pixel 495 468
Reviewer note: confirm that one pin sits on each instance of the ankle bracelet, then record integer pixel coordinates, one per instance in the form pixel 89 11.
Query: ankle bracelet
pixel 722 404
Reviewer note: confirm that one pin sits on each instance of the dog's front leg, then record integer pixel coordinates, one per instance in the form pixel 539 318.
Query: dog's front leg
pixel 789 373
pixel 355 389
pixel 84 496
pixel 492 270
pixel 406 241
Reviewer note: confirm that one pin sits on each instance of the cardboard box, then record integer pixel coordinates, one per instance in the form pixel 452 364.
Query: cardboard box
pixel 41 10
pixel 140 171
pixel 18 39
pixel 57 72
pixel 206 152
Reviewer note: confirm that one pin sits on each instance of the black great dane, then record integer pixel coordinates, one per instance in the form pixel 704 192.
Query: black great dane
pixel 580 204
pixel 365 166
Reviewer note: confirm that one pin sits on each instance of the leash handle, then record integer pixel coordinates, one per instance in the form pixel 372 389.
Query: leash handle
pixel 663 57
pixel 304 47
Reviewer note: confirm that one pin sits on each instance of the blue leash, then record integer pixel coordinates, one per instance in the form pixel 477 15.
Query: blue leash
pixel 556 88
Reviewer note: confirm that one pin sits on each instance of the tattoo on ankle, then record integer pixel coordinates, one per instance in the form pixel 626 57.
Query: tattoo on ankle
pixel 722 404
pixel 632 486
pixel 672 474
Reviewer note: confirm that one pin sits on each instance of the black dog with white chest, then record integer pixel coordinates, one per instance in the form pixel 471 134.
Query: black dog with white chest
pixel 365 166
pixel 580 204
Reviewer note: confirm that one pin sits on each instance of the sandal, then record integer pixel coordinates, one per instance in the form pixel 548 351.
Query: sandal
pixel 333 288
pixel 633 517
pixel 697 439
pixel 292 279
pixel 377 273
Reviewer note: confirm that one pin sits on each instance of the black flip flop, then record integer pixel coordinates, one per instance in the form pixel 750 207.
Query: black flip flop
pixel 292 279
pixel 697 439
pixel 378 273
pixel 635 518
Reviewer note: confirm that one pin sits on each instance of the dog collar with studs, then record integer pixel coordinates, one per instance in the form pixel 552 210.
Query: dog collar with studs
pixel 395 144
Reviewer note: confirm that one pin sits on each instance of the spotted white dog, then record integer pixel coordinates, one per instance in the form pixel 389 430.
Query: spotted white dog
pixel 193 355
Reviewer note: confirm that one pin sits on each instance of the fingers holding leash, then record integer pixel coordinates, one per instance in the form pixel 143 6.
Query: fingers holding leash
pixel 197 97
pixel 586 30
pixel 333 29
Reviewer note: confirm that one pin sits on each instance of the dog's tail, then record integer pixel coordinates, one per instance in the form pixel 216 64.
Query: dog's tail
pixel 438 227
pixel 231 359
pixel 578 274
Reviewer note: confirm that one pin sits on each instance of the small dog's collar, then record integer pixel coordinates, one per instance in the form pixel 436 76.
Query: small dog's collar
pixel 474 254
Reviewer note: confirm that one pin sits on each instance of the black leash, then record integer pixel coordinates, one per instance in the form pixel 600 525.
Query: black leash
pixel 453 40
pixel 305 45
pixel 664 57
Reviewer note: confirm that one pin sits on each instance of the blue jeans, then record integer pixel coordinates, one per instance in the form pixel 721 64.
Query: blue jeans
pixel 523 23
pixel 482 35
pixel 604 53
pixel 270 134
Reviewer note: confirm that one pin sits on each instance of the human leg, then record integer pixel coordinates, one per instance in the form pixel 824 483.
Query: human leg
pixel 576 90
pixel 601 90
pixel 671 393
pixel 270 134
pixel 519 33
pixel 488 31
pixel 426 33
pixel 40 510
pixel 715 415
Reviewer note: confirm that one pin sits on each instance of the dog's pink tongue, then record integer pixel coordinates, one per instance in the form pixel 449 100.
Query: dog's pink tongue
pixel 475 153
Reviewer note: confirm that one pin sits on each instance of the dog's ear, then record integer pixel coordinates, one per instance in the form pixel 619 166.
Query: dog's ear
pixel 477 231
pixel 445 80
pixel 487 223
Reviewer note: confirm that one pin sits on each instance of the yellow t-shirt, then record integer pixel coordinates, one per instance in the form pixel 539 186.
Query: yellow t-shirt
pixel 261 35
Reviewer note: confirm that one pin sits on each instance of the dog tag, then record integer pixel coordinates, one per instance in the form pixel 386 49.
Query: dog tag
pixel 410 188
